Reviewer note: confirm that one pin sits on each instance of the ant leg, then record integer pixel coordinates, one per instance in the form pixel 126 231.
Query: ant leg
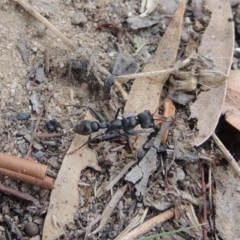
pixel 88 141
pixel 97 114
pixel 116 115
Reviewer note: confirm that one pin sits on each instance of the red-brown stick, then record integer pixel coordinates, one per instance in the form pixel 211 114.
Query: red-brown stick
pixel 23 166
pixel 169 111
pixel 18 194
pixel 47 183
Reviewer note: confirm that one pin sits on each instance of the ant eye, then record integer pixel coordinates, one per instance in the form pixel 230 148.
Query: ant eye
pixel 83 128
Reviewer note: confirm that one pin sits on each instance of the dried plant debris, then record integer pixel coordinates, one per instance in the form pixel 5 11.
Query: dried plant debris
pixel 137 22
pixel 112 188
pixel 40 75
pixel 23 48
pixel 35 102
pixel 124 65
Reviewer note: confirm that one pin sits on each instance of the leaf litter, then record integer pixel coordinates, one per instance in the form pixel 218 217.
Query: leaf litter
pixel 195 73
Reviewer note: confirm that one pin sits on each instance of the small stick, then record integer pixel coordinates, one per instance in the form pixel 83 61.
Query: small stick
pixel 125 78
pixel 23 166
pixel 18 194
pixel 150 224
pixel 121 90
pixel 46 183
pixel 37 124
pixel 99 13
pixel 204 228
pixel 48 135
pixel 226 154
pixel 47 60
pixel 45 22
pixel 169 111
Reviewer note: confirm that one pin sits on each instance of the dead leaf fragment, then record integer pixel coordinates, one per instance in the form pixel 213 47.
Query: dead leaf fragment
pixel 231 107
pixel 64 198
pixel 226 201
pixel 218 42
pixel 145 92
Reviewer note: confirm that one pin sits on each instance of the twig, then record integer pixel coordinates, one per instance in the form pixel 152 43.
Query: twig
pixel 37 124
pixel 169 111
pixel 47 182
pixel 23 166
pixel 121 90
pixel 45 22
pixel 204 204
pixel 226 154
pixel 150 224
pixel 16 193
pixel 48 135
pixel 47 60
pixel 125 78
pixel 100 10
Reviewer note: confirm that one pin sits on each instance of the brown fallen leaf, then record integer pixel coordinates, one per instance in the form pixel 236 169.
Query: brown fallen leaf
pixel 218 42
pixel 145 92
pixel 64 198
pixel 231 107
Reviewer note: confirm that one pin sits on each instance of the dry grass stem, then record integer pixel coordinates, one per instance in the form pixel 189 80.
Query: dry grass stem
pixel 45 22
pixel 226 154
pixel 125 78
pixel 121 90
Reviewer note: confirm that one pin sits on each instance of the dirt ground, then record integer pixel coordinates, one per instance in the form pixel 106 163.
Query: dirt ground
pixel 24 43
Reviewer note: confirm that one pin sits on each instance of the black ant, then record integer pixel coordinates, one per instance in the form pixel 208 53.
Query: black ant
pixel 116 128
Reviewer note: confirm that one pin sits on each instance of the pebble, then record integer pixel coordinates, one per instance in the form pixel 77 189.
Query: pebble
pixel 12 118
pixel 22 131
pixel 40 75
pixel 31 229
pixel 52 125
pixel 36 145
pixel 23 148
pixel 39 155
pixel 23 116
pixel 41 32
pixel 67 2
pixel 5 210
pixel 53 162
pixel 78 18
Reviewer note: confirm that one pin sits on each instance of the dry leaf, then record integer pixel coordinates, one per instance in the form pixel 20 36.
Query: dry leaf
pixel 231 107
pixel 64 198
pixel 145 92
pixel 218 42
